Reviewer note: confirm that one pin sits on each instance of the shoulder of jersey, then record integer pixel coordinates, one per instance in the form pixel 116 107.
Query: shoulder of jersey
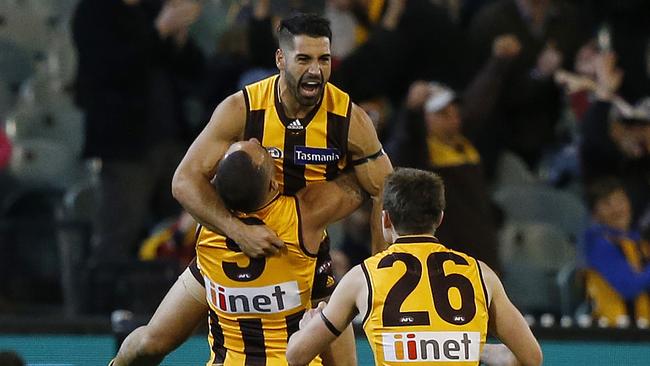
pixel 337 101
pixel 260 94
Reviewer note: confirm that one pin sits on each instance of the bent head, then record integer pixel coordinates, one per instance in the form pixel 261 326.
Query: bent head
pixel 304 58
pixel 414 201
pixel 245 176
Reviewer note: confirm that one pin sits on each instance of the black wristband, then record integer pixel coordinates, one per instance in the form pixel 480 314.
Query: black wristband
pixel 329 325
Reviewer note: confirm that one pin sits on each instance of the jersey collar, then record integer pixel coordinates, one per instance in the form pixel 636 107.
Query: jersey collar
pixel 417 239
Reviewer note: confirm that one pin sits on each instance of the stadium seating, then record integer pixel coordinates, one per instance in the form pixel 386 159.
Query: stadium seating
pixel 532 254
pixel 540 203
pixel 16 64
pixel 542 225
pixel 571 283
pixel 57 121
pixel 512 170
pixel 41 162
pixel 7 99
pixel 76 218
pixel 28 23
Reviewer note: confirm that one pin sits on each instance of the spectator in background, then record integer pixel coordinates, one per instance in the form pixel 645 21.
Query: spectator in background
pixel 429 135
pixel 225 68
pixel 616 139
pixel 528 104
pixel 624 24
pixel 262 43
pixel 617 260
pixel 243 54
pixel 136 66
pixel 173 239
pixel 481 97
pixel 343 23
pixel 416 33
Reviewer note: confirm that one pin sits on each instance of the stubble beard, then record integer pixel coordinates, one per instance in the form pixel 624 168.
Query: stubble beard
pixel 294 88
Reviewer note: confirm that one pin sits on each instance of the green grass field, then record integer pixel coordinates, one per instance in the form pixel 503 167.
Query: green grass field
pixel 74 350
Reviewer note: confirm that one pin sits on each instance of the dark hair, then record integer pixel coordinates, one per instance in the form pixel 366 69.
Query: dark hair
pixel 311 25
pixel 601 188
pixel 414 200
pixel 10 358
pixel 241 184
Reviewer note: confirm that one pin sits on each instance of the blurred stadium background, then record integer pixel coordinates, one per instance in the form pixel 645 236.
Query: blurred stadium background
pixel 54 310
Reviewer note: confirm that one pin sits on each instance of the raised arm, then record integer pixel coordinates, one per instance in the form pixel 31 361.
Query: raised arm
pixel 192 186
pixel 507 323
pixel 371 166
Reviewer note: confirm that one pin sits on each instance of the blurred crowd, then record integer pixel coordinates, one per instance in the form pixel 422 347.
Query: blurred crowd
pixel 534 112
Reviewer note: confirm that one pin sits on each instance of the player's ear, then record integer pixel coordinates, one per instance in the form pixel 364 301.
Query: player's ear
pixel 385 220
pixel 279 59
pixel 442 215
pixel 274 185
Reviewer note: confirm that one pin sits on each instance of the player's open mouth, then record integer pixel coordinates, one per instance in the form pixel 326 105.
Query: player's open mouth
pixel 310 89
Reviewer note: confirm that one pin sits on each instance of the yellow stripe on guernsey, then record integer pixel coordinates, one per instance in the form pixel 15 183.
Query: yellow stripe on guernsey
pixel 305 150
pixel 256 304
pixel 428 304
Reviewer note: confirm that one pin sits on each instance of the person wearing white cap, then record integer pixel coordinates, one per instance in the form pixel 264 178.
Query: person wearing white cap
pixel 430 136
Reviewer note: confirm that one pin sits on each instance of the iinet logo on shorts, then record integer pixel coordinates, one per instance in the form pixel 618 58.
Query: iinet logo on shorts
pixel 253 300
pixel 432 346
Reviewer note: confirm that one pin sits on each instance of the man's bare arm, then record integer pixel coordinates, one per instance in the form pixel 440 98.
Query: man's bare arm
pixel 322 204
pixel 325 203
pixel 371 166
pixel 315 334
pixel 191 183
pixel 507 323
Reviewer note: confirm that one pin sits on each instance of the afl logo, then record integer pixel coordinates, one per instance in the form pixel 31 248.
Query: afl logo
pixel 274 152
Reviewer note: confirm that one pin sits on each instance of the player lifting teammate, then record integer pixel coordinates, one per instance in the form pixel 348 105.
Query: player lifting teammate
pixel 314 132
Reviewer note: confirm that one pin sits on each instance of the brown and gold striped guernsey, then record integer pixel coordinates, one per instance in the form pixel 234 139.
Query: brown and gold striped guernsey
pixel 305 150
pixel 426 304
pixel 256 303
